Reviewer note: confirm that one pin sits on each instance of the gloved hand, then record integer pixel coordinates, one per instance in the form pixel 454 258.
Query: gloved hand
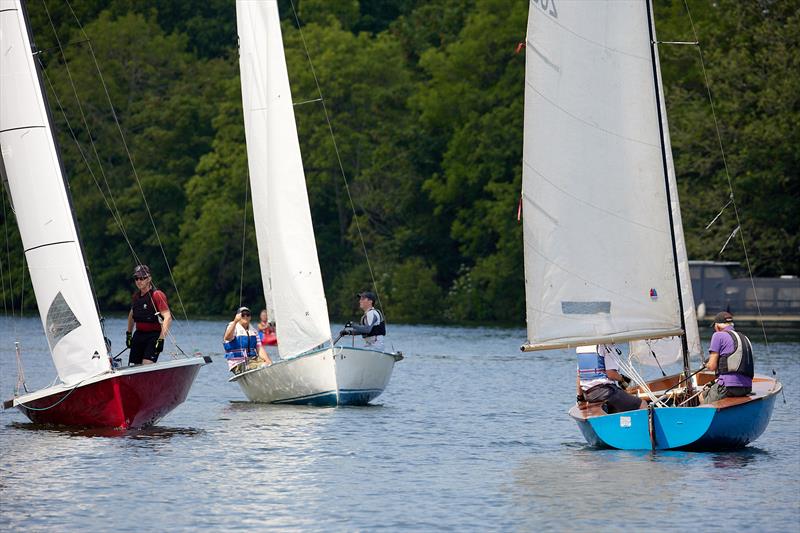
pixel 346 331
pixel 159 346
pixel 128 339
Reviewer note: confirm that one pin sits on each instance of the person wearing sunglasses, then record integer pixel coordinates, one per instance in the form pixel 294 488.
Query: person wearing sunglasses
pixel 151 316
pixel 243 349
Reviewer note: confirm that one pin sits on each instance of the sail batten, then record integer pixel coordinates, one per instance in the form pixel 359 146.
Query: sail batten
pixel 599 264
pixel 43 211
pixel 290 268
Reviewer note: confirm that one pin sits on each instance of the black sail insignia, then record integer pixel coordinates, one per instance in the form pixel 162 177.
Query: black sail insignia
pixel 60 320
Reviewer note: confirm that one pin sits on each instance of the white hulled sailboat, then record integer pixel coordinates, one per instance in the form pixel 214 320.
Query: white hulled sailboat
pixel 311 370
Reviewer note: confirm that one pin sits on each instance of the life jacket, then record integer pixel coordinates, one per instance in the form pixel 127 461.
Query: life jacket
pixel 268 337
pixel 144 308
pixel 741 360
pixel 242 345
pixel 377 329
pixel 591 366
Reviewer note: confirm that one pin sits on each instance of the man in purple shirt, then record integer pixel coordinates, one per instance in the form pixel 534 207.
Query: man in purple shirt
pixel 731 357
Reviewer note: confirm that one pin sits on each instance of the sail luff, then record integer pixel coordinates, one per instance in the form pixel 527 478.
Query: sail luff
pixel 684 276
pixel 280 199
pixel 597 239
pixel 669 180
pixel 43 209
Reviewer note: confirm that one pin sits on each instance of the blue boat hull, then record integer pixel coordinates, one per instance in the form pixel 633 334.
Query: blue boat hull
pixel 696 428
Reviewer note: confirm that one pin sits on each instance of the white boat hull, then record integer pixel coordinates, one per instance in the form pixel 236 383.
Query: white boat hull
pixel 331 376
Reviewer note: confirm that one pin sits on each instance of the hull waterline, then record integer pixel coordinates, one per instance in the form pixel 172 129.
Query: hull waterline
pixel 133 397
pixel 727 424
pixel 327 377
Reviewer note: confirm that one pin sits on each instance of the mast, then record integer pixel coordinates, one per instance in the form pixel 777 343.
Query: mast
pixel 656 87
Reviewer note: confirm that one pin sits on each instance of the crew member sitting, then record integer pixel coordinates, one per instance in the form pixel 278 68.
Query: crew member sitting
pixel 243 349
pixel 598 379
pixel 372 327
pixel 731 357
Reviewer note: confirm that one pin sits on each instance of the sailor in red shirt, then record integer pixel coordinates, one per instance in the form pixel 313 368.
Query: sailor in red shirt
pixel 150 312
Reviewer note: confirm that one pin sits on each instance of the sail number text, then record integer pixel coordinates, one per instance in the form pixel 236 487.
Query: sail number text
pixel 548 6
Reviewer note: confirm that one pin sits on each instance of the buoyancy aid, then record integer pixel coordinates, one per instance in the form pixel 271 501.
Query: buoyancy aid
pixel 377 329
pixel 144 308
pixel 244 344
pixel 741 360
pixel 591 366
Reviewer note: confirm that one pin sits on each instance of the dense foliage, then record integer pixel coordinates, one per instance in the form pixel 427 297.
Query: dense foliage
pixel 425 99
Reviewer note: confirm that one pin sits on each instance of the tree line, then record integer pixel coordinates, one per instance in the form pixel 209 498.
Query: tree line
pixel 426 102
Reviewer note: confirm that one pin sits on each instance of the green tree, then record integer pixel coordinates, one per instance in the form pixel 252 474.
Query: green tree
pixel 164 112
pixel 473 101
pixel 751 60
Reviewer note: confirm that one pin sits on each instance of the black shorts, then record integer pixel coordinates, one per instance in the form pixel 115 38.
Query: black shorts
pixel 143 346
pixel 617 399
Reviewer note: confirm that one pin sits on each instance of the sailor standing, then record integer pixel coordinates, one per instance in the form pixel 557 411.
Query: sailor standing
pixel 373 325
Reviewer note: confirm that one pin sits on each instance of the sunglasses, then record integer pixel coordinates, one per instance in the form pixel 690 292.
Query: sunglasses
pixel 245 314
pixel 140 278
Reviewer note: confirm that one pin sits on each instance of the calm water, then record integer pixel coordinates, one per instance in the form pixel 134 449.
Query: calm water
pixel 471 434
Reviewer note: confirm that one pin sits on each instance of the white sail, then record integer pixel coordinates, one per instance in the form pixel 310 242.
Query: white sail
pixel 598 251
pixel 689 310
pixel 42 208
pixel 289 263
pixel 665 349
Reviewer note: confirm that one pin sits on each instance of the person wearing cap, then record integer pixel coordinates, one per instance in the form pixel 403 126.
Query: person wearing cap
pixel 243 349
pixel 731 357
pixel 372 327
pixel 151 316
pixel 599 380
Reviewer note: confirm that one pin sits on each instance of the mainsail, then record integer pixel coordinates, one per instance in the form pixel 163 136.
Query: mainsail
pixel 43 210
pixel 599 262
pixel 285 234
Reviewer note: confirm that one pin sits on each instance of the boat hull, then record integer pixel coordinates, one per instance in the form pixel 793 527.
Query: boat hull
pixel 133 397
pixel 730 423
pixel 327 377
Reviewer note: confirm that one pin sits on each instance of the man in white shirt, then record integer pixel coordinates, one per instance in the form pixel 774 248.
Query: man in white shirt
pixel 373 326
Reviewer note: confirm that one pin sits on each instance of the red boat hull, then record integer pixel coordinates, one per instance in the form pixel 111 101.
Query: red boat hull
pixel 121 400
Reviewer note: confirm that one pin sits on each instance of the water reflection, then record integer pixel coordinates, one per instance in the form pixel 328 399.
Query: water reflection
pixel 740 458
pixel 579 484
pixel 149 433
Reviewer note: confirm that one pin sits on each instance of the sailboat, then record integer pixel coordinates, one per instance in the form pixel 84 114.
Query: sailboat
pixel 312 369
pixel 91 392
pixel 605 257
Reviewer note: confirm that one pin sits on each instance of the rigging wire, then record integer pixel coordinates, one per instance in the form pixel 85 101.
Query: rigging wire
pixel 71 81
pixel 244 237
pixel 338 155
pixel 130 160
pixel 727 175
pixel 7 266
pixel 115 213
pixel 20 372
